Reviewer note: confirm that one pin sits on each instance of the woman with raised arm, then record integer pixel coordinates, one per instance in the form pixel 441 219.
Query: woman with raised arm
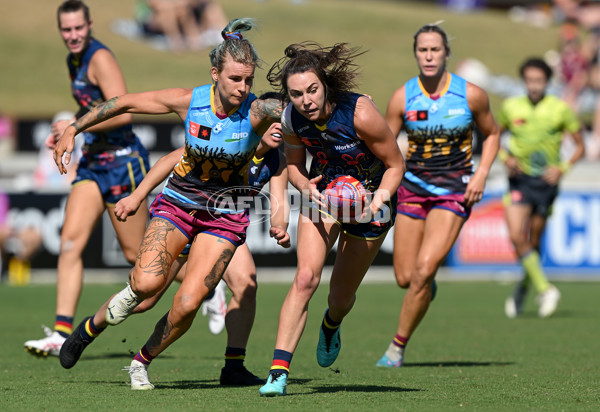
pixel 199 202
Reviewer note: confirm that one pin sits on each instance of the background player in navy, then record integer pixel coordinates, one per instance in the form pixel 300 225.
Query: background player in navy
pixel 438 110
pixel 346 135
pixel 114 162
pixel 223 122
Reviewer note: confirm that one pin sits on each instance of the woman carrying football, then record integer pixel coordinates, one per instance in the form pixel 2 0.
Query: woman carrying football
pixel 346 135
pixel 438 110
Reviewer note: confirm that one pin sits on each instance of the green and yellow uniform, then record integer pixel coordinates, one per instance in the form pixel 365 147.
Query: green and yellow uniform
pixel 537 130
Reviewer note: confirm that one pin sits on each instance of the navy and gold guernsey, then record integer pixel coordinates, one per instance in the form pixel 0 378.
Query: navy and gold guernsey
pixel 213 171
pixel 335 148
pixel 337 151
pixel 439 132
pixel 111 148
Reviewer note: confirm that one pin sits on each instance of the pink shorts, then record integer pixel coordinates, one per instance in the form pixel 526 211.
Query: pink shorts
pixel 416 206
pixel 231 227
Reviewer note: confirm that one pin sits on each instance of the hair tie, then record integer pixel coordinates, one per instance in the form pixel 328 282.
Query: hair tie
pixel 232 35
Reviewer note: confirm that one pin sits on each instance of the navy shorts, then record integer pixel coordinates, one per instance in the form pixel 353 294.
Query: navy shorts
pixel 115 181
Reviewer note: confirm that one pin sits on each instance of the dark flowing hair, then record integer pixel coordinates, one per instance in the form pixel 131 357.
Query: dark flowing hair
pixel 334 66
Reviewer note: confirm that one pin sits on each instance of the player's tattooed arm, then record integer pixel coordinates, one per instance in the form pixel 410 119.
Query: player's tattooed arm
pixel 103 111
pixel 267 109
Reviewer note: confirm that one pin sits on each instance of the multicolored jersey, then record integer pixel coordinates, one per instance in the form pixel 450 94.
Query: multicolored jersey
pixel 439 132
pixel 261 170
pixel 335 148
pixel 101 150
pixel 537 130
pixel 213 171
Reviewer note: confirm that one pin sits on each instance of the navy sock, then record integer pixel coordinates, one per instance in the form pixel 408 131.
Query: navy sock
pixel 63 325
pixel 281 362
pixel 88 330
pixel 329 326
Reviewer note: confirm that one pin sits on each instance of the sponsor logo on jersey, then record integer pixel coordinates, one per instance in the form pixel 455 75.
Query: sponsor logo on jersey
pixel 455 113
pixel 236 137
pixel 200 131
pixel 344 147
pixel 417 115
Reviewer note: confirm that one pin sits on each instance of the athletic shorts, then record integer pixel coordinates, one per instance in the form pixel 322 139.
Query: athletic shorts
pixel 413 205
pixel 377 227
pixel 115 183
pixel 190 222
pixel 532 191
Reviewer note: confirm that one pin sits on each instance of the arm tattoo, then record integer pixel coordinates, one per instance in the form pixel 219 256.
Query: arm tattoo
pixel 216 273
pixel 153 256
pixel 103 111
pixel 269 108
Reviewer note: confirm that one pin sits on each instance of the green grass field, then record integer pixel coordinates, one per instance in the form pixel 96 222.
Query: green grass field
pixel 465 356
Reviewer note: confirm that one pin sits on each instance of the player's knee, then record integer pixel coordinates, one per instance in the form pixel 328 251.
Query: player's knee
pixel 69 245
pixel 242 286
pixel 247 292
pixel 143 285
pixel 425 269
pixel 186 305
pixel 306 279
pixel 402 278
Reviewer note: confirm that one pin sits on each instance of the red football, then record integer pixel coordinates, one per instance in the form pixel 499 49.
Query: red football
pixel 345 196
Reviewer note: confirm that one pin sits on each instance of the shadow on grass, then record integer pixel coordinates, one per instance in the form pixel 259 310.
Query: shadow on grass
pixel 209 384
pixel 189 384
pixel 116 355
pixel 456 364
pixel 359 388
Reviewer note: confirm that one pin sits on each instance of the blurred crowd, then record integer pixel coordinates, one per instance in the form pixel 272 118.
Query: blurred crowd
pixel 175 25
pixel 579 58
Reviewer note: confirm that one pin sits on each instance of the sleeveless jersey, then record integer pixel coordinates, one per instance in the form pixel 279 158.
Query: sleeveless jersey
pixel 101 150
pixel 439 139
pixel 213 170
pixel 335 148
pixel 537 130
